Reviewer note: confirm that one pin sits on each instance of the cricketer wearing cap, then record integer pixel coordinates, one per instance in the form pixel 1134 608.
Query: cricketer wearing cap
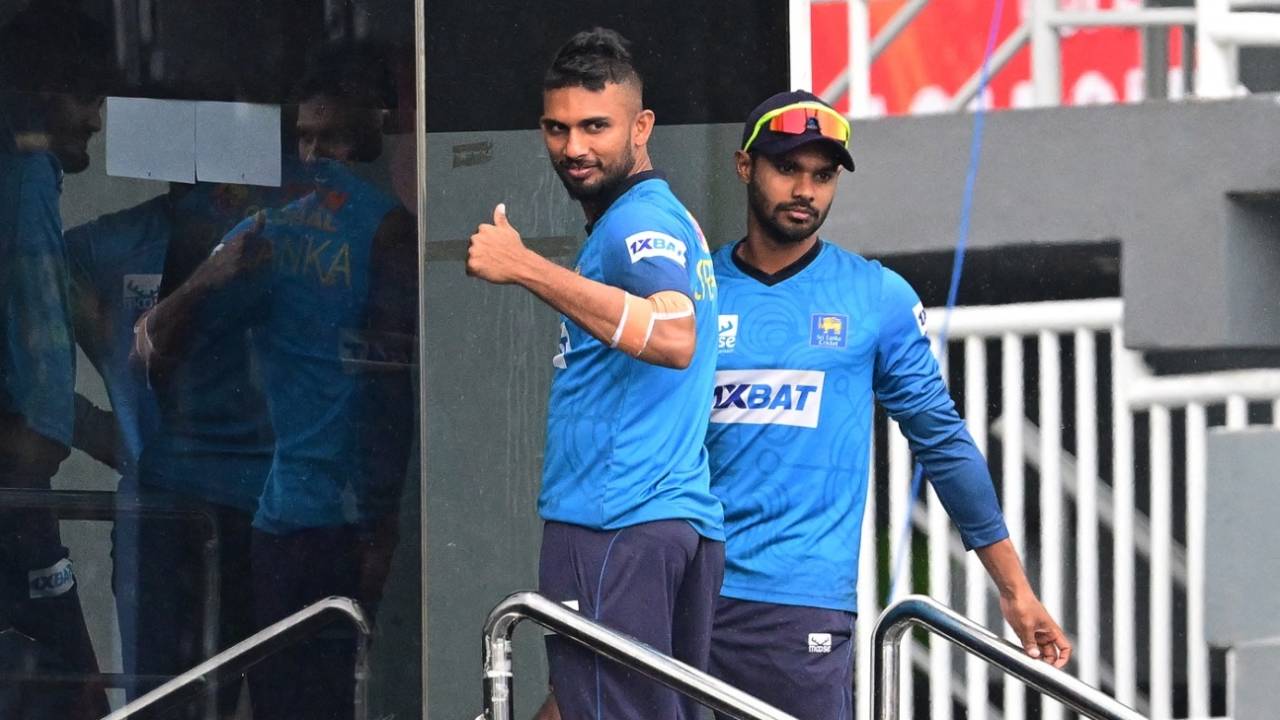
pixel 809 336
pixel 633 535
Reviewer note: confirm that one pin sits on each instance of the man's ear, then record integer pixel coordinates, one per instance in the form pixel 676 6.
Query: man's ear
pixel 642 128
pixel 742 164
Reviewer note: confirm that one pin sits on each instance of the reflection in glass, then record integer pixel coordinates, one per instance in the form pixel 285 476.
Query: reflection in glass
pixel 49 110
pixel 254 345
pixel 325 288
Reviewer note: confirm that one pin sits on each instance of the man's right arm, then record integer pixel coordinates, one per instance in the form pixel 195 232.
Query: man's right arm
pixel 658 327
pixel 163 333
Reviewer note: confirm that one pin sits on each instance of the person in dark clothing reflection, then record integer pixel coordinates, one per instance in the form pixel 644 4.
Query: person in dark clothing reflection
pixel 51 86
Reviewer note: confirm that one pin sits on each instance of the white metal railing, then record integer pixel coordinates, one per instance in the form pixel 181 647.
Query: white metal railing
pixel 1075 580
pixel 1222 27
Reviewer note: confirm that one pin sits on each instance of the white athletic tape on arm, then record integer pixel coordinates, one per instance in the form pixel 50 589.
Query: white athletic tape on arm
pixel 635 327
pixel 622 321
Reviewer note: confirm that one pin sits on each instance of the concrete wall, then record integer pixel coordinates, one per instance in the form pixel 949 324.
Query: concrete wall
pixel 1242 582
pixel 1188 190
pixel 1182 186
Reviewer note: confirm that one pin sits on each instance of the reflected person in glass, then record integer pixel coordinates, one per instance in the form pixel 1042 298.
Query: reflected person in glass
pixel 52 75
pixel 328 287
pixel 192 428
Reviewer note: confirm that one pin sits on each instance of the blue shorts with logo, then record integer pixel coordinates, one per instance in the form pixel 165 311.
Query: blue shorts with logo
pixel 798 659
pixel 657 582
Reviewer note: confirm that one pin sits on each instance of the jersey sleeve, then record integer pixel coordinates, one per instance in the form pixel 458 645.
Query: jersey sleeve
pixel 908 383
pixel 645 251
pixel 242 301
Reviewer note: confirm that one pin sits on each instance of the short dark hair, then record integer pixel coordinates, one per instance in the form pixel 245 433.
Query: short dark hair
pixel 50 47
pixel 356 75
pixel 53 47
pixel 591 59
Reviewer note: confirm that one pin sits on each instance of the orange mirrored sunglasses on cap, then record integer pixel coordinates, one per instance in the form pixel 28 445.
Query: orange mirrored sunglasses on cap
pixel 800 118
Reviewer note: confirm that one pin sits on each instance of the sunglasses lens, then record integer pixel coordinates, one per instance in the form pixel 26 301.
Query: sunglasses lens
pixel 797 121
pixel 832 127
pixel 791 122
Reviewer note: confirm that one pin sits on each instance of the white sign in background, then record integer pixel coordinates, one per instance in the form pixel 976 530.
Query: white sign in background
pixel 185 141
pixel 151 139
pixel 238 143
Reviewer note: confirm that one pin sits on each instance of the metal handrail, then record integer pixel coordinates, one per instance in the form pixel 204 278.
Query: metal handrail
pixel 106 506
pixel 973 638
pixel 498 627
pixel 238 658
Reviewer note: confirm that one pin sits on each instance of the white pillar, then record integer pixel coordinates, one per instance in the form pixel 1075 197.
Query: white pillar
pixel 801 38
pixel 1046 59
pixel 859 59
pixel 1216 68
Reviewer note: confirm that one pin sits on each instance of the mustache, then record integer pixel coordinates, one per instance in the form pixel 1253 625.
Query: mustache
pixel 577 163
pixel 798 206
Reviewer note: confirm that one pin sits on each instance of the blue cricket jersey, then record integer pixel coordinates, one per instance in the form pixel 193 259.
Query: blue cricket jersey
pixel 37 344
pixel 215 441
pixel 625 437
pixel 310 306
pixel 803 356
pixel 116 263
pixel 203 432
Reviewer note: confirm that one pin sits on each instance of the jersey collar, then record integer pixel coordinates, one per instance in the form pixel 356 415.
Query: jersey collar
pixel 627 183
pixel 789 271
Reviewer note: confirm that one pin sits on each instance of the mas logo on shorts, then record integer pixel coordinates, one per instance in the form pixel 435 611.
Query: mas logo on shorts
pixel 653 244
pixel 768 397
pixel 829 331
pixel 141 291
pixel 52 581
pixel 820 643
pixel 728 333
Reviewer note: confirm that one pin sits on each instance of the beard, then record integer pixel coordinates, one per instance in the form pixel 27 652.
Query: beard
pixel 777 226
pixel 71 146
pixel 73 158
pixel 611 176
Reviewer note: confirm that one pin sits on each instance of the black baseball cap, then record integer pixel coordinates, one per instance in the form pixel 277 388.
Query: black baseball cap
pixel 777 143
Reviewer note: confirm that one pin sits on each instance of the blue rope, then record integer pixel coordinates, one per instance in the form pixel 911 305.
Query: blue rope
pixel 957 268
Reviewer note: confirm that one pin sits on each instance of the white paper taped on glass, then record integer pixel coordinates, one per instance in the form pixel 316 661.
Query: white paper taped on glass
pixel 186 141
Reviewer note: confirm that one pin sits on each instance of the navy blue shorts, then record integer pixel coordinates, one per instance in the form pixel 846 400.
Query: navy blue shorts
pixel 657 582
pixel 798 659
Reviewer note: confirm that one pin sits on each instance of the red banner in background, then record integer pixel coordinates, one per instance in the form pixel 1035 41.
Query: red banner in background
pixel 926 64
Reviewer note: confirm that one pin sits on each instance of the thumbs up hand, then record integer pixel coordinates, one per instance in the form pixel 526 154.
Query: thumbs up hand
pixel 496 253
pixel 236 256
